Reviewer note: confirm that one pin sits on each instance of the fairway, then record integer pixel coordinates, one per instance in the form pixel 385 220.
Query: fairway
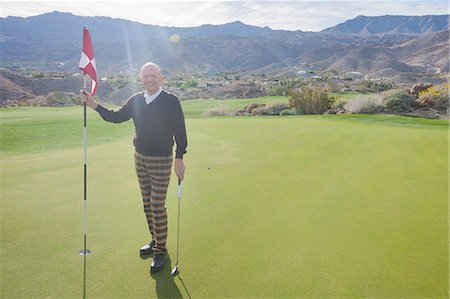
pixel 273 207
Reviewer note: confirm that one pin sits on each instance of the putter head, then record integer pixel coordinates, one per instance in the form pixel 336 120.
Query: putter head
pixel 174 271
pixel 85 252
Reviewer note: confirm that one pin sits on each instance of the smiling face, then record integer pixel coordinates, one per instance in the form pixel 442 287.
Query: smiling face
pixel 151 78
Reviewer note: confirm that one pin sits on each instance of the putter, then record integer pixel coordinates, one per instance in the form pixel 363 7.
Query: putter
pixel 175 271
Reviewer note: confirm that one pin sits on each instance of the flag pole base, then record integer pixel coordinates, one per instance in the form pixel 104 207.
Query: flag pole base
pixel 85 252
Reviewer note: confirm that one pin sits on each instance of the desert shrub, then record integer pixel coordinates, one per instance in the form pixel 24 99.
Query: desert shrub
pixel 377 86
pixel 288 112
pixel 121 82
pixel 258 111
pixel 334 87
pixel 436 96
pixel 38 75
pixel 398 101
pixel 278 91
pixel 251 106
pixel 222 110
pixel 58 98
pixel 339 104
pixel 365 105
pixel 275 108
pixel 309 100
pixel 189 84
pixel 248 110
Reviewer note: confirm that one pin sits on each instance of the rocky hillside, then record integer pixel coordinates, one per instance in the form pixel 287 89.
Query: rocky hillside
pixel 425 53
pixel 52 41
pixel 404 49
pixel 363 25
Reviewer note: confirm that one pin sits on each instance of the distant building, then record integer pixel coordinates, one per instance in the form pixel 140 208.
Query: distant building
pixel 354 74
pixel 433 70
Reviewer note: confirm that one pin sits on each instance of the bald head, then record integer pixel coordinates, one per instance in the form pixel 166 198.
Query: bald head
pixel 151 77
pixel 152 66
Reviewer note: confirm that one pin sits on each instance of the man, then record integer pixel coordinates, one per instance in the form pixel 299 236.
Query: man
pixel 158 120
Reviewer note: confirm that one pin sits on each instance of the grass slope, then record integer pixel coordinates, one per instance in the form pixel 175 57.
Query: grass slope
pixel 290 207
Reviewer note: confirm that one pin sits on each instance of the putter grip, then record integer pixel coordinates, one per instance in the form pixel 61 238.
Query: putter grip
pixel 179 189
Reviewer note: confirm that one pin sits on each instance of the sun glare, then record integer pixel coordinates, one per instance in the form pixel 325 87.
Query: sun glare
pixel 174 38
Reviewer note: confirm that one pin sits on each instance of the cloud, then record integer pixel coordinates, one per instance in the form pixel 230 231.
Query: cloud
pixel 289 15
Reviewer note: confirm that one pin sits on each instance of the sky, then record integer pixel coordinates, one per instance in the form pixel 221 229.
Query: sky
pixel 287 15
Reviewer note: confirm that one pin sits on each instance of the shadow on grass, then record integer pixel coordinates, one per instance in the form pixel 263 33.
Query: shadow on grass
pixel 84 277
pixel 165 283
pixel 184 286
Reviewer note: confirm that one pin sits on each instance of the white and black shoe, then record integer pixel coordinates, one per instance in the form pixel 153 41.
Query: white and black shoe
pixel 147 249
pixel 158 263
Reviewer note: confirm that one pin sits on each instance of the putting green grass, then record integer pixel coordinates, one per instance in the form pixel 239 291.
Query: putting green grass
pixel 272 207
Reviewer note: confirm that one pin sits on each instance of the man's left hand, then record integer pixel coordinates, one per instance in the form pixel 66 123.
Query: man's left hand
pixel 179 168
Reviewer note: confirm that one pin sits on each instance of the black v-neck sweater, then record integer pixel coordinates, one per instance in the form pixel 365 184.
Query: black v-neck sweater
pixel 156 124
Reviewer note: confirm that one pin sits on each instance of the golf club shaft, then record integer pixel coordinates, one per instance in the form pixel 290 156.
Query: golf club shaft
pixel 178 229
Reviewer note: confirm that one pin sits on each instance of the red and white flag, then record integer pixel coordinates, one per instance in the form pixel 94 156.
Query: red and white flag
pixel 87 61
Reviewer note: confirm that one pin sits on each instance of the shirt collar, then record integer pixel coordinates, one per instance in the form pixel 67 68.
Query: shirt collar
pixel 150 97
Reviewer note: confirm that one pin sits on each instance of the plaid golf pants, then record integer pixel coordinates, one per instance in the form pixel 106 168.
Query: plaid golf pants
pixel 154 174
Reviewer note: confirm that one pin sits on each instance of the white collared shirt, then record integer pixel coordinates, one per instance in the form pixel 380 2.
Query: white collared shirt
pixel 151 97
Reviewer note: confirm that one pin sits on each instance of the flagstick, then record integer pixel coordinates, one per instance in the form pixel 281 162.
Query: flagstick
pixel 85 251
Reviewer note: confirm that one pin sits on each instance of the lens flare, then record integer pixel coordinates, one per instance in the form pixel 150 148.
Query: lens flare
pixel 174 38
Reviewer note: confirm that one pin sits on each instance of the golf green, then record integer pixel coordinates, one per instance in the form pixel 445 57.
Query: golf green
pixel 274 207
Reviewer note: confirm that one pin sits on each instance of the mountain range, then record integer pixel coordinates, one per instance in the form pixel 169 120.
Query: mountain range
pixel 384 46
